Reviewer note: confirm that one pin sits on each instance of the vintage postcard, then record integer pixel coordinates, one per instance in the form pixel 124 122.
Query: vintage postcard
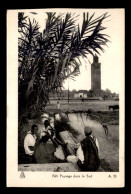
pixel 65 98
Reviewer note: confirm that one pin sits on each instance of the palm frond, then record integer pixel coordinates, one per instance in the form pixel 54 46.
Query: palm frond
pixel 47 59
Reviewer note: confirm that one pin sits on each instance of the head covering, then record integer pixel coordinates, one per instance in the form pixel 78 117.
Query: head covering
pixel 57 117
pixel 45 115
pixel 87 130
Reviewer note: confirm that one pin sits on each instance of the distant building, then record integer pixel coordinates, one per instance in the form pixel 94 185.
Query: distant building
pixel 91 94
pixel 82 93
pixel 74 94
pixel 95 74
pixel 79 94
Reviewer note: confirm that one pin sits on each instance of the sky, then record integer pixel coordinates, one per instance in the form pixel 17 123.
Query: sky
pixel 112 60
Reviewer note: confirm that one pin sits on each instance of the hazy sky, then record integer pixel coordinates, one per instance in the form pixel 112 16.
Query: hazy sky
pixel 112 60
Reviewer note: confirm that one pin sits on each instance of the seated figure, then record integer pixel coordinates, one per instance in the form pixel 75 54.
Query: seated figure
pixel 48 148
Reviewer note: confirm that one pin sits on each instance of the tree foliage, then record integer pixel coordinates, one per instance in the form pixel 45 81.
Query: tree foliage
pixel 47 59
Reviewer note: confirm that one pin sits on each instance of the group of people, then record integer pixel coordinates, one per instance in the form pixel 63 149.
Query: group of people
pixel 45 146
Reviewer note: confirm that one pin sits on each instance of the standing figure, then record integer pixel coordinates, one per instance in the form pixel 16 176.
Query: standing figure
pixel 82 100
pixel 58 106
pixel 105 129
pixel 61 123
pixel 90 150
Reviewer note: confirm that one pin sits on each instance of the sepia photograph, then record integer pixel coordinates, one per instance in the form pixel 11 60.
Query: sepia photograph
pixel 67 71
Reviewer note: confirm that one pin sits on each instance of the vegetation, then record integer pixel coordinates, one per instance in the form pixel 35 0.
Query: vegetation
pixel 47 59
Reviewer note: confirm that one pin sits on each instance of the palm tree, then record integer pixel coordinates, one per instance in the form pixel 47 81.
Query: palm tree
pixel 47 59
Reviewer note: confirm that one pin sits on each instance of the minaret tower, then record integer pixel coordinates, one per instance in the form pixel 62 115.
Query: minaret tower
pixel 95 74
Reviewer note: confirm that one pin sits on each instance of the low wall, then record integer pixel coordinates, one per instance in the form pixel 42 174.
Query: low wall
pixel 53 167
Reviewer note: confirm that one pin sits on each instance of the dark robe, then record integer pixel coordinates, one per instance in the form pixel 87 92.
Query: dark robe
pixel 44 152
